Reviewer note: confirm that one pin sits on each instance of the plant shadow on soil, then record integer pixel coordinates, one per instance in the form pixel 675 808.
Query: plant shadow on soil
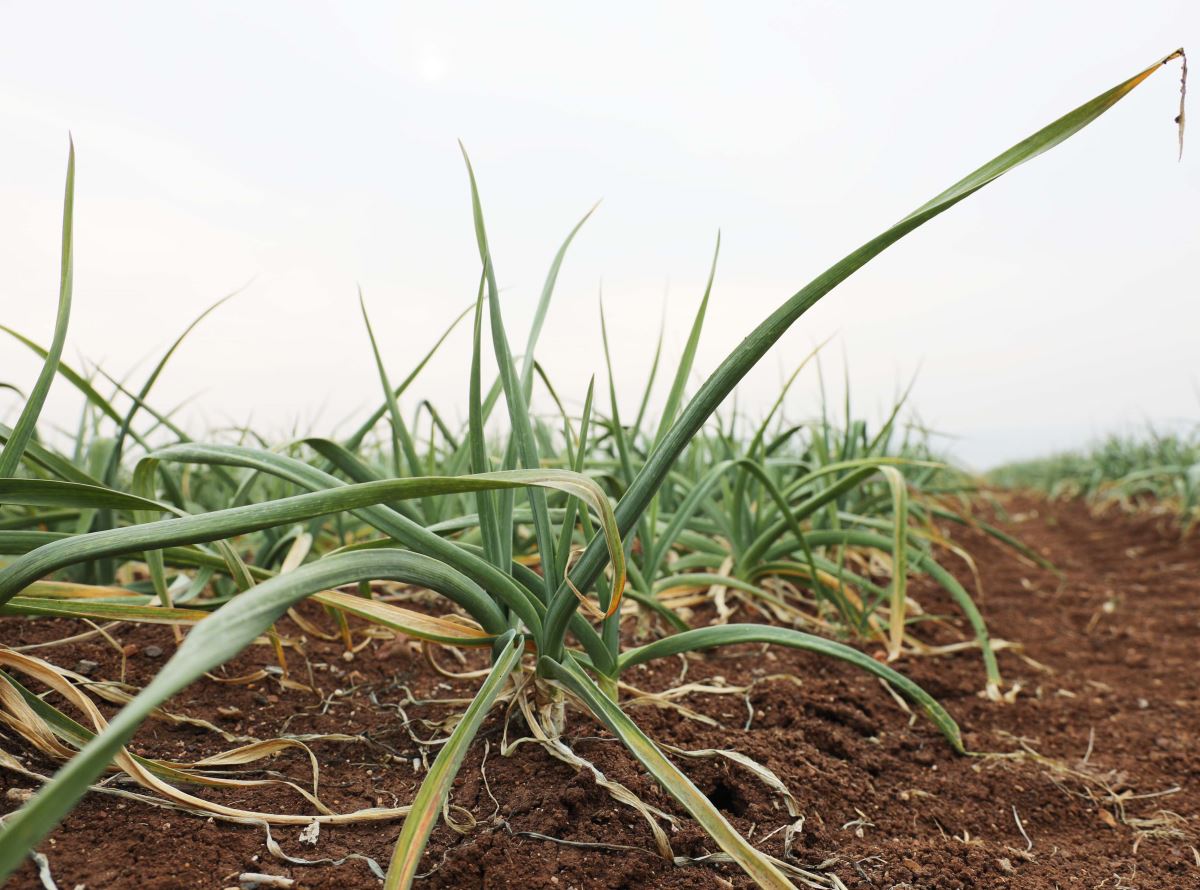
pixel 1109 691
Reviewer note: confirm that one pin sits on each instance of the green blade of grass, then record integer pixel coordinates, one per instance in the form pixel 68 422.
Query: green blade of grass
pixel 747 354
pixel 55 493
pixel 141 405
pixel 359 434
pixel 563 552
pixel 485 502
pixel 539 316
pixel 652 376
pixel 402 442
pixel 731 634
pixel 514 390
pixel 679 382
pixel 70 374
pixel 675 393
pixel 23 431
pixel 114 459
pixel 48 460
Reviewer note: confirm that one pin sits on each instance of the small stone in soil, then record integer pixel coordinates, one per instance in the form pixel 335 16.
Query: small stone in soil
pixel 153 651
pixel 253 880
pixel 86 667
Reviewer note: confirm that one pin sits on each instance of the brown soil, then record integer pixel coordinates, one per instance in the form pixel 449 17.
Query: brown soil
pixel 1112 694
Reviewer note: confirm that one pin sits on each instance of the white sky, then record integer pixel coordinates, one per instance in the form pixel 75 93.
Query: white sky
pixel 312 148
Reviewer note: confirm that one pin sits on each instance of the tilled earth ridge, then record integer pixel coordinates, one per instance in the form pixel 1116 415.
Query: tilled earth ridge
pixel 1109 696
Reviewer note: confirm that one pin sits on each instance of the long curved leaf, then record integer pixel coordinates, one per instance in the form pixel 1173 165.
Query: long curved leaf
pixel 10 457
pixel 730 634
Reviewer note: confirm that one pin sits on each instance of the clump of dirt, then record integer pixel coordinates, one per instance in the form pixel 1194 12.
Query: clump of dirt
pixel 1109 700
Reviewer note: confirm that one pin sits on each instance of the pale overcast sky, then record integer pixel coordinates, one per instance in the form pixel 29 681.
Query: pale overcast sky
pixel 311 148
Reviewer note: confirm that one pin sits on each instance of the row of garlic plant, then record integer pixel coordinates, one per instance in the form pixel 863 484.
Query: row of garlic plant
pixel 764 510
